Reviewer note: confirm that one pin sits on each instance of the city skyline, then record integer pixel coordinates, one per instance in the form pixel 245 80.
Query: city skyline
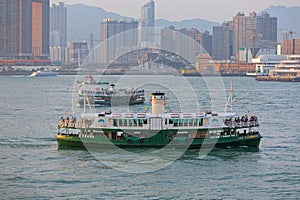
pixel 188 9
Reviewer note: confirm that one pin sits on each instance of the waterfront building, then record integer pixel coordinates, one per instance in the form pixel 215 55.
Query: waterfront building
pixel 58 25
pixel 222 42
pixel 205 40
pixel 58 32
pixel 244 30
pixel 291 46
pixel 24 32
pixel 167 38
pixel 186 47
pixel 115 34
pixel 253 32
pixel 266 31
pixel 78 52
pixel 188 43
pixel 91 46
pixel 147 23
pixel 91 41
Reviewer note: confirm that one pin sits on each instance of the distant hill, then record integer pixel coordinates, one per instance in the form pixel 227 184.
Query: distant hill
pixel 287 19
pixel 82 19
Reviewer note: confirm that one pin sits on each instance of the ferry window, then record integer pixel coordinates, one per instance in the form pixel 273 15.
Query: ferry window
pixel 125 122
pixel 170 121
pixel 185 122
pixel 115 122
pixel 141 122
pixel 135 122
pixel 190 122
pixel 175 122
pixel 145 121
pixel 120 122
pixel 180 122
pixel 200 121
pixel 166 121
pixel 130 122
pixel 195 122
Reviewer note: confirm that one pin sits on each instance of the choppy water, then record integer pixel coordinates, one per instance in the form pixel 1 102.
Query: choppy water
pixel 32 167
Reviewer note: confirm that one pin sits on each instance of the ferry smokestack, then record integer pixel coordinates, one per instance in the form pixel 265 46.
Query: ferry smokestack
pixel 158 103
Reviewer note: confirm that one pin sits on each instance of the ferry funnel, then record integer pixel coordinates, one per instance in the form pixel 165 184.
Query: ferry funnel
pixel 158 102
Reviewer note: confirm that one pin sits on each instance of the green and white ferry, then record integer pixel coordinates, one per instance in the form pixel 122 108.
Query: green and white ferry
pixel 159 129
pixel 103 93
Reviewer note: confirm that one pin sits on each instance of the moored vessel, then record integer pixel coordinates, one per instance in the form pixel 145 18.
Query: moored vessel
pixel 287 71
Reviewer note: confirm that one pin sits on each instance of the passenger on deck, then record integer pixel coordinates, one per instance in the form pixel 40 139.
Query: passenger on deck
pixel 67 122
pixel 243 118
pixel 61 122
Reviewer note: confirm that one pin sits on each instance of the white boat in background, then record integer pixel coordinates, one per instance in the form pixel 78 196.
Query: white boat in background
pixel 43 73
pixel 287 71
pixel 103 93
pixel 265 63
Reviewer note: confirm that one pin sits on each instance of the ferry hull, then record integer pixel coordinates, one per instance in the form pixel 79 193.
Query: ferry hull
pixel 65 141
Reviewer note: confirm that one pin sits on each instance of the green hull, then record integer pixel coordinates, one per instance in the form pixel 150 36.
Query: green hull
pixel 103 142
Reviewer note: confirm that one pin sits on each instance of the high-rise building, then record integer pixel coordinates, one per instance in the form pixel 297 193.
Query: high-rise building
pixel 115 34
pixel 167 38
pixel 244 30
pixel 46 28
pixel 291 46
pixel 78 52
pixel 205 40
pixel 91 41
pixel 91 45
pixel 222 41
pixel 24 32
pixel 58 25
pixel 58 32
pixel 187 43
pixel 266 30
pixel 147 22
pixel 254 32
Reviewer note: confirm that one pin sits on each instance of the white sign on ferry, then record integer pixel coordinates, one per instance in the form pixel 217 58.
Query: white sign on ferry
pixel 215 122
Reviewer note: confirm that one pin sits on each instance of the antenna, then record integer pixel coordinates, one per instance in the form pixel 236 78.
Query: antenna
pixel 230 98
pixel 85 99
pixel 231 95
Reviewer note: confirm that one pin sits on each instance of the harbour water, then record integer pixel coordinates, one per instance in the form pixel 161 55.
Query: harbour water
pixel 33 168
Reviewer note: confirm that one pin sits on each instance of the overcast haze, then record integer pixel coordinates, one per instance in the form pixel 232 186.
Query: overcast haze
pixel 176 10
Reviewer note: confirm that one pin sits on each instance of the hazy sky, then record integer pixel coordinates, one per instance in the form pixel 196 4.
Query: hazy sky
pixel 176 10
